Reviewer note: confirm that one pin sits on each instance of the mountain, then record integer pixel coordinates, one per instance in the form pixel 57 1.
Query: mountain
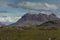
pixel 36 19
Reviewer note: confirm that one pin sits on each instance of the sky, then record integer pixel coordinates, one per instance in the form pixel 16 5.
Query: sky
pixel 12 10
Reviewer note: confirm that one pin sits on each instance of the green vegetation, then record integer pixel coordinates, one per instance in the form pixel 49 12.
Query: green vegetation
pixel 17 33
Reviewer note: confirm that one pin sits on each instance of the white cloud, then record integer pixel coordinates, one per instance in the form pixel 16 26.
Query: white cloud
pixel 9 19
pixel 37 6
pixel 45 12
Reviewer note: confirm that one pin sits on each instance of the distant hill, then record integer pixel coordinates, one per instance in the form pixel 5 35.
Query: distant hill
pixel 49 25
pixel 30 19
pixel 2 23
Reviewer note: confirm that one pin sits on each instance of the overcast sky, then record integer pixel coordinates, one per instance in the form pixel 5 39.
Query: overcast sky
pixel 12 10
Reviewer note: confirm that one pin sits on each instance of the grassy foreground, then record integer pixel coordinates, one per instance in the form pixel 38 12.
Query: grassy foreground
pixel 28 34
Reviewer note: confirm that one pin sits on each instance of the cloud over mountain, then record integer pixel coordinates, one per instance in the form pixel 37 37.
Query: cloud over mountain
pixel 36 5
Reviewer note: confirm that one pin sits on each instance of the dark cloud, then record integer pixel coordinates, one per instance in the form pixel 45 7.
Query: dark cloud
pixel 3 11
pixel 13 5
pixel 34 6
